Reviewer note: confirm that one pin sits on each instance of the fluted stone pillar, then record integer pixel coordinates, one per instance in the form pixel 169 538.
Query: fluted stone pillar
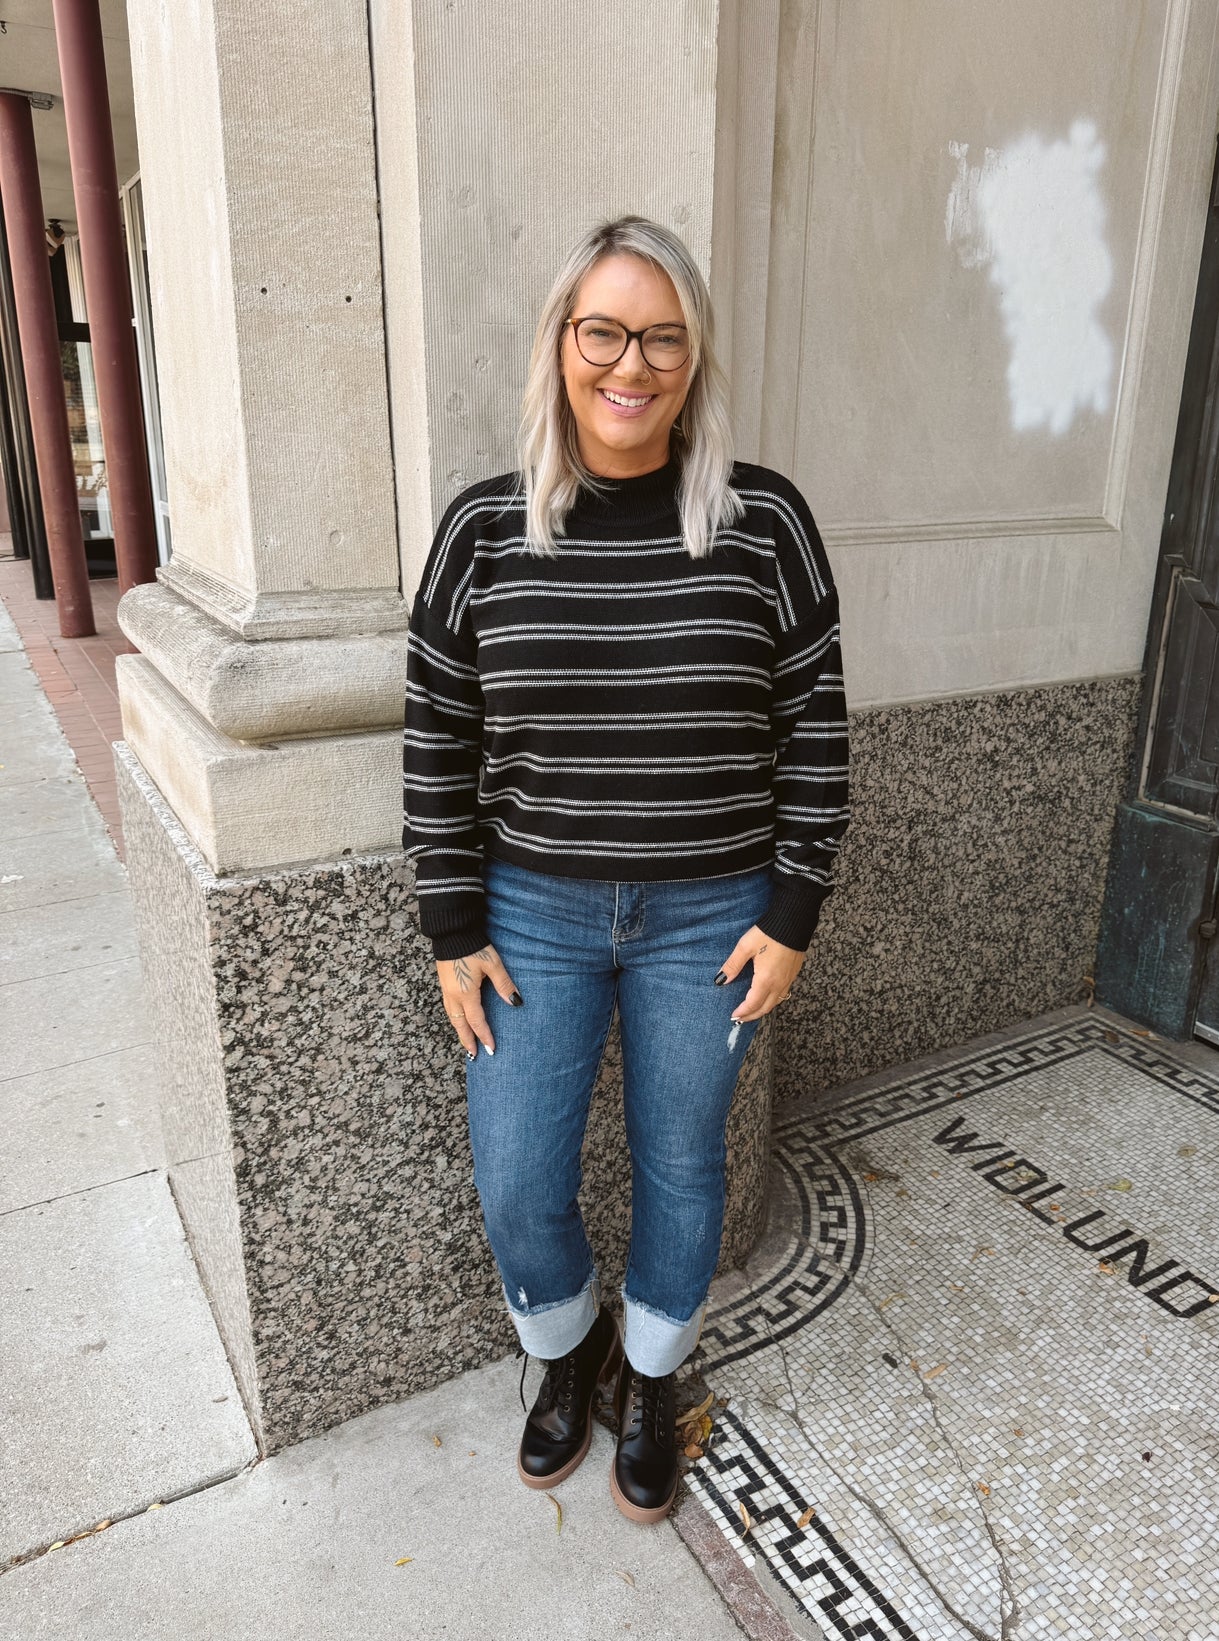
pixel 323 264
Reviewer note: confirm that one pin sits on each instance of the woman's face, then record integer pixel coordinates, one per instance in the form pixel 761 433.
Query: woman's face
pixel 624 440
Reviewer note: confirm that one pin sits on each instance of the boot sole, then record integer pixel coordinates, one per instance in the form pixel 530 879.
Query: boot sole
pixel 606 1371
pixel 637 1512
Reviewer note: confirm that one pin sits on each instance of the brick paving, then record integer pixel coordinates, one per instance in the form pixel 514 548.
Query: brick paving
pixel 77 675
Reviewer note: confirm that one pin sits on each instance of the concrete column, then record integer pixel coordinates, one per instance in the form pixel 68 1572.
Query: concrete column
pixel 266 702
pixel 82 64
pixel 39 336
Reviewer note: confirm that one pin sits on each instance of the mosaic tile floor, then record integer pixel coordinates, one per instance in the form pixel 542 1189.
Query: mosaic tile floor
pixel 980 1343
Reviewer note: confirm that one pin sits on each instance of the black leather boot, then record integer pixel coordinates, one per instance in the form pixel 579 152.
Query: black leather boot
pixel 643 1478
pixel 559 1427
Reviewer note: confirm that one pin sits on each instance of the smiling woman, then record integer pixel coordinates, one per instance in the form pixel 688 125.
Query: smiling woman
pixel 609 380
pixel 625 778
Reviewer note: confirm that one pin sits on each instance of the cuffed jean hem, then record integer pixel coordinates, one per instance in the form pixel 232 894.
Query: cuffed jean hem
pixel 657 1344
pixel 553 1329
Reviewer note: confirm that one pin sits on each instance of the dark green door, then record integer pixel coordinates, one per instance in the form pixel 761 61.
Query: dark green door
pixel 1158 960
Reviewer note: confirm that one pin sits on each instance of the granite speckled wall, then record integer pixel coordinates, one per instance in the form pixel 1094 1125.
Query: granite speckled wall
pixel 969 885
pixel 314 1108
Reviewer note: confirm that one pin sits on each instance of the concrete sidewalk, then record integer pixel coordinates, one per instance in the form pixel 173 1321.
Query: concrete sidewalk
pixel 114 1388
pixel 116 1401
pixel 406 1522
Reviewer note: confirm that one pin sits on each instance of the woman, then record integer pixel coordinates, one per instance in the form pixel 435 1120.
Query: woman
pixel 625 777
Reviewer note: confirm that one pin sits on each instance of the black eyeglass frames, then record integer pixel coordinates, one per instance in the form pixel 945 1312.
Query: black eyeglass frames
pixel 604 341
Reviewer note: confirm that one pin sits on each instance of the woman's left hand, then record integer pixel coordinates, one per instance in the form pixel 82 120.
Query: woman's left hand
pixel 775 967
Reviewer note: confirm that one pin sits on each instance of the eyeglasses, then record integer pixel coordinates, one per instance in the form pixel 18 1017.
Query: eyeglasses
pixel 604 341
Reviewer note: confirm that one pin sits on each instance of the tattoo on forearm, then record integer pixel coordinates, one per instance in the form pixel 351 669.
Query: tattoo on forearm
pixel 461 968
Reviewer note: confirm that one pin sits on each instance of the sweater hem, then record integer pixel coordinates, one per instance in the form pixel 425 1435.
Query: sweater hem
pixel 659 870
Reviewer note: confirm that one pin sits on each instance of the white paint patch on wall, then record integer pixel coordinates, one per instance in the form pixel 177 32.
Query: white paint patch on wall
pixel 1033 214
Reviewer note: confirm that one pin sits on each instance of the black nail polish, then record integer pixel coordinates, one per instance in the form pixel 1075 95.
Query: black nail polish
pixel 469 1056
pixel 516 999
pixel 720 978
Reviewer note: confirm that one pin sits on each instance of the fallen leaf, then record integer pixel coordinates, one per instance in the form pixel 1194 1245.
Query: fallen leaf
pixel 692 1450
pixel 558 1511
pixel 983 1488
pixel 472 1453
pixel 102 1525
pixel 934 1373
pixel 871 1178
pixel 626 1577
pixel 435 1441
pixel 1018 1431
pixel 1120 1185
pixel 745 1518
pixel 58 1544
pixel 157 1506
pixel 957 1287
pixel 1105 1268
pixel 1187 1150
pixel 402 1561
pixel 704 1429
pixel 889 1300
pixel 806 1517
pixel 901 1191
pixel 697 1412
pixel 1213 1299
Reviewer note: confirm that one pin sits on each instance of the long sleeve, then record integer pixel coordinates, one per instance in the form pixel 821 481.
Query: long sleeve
pixel 809 721
pixel 441 760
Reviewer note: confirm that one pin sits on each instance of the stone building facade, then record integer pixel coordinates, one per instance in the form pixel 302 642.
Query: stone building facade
pixel 953 251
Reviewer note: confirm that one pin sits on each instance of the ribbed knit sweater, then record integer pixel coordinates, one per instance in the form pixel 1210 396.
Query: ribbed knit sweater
pixel 623 711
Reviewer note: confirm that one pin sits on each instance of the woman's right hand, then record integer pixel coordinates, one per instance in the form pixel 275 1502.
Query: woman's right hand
pixel 461 982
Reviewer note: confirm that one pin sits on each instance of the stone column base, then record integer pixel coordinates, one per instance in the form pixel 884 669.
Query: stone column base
pixel 313 1101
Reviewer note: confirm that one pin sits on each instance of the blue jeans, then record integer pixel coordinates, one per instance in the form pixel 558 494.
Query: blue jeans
pixel 574 946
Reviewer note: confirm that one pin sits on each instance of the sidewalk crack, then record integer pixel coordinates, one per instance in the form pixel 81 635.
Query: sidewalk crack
pixel 876 1510
pixel 1009 1605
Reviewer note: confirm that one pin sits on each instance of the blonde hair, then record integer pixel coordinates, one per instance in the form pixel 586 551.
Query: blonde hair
pixel 549 454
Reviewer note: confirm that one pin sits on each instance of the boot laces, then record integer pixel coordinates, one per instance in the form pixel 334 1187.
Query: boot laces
pixel 648 1395
pixel 558 1382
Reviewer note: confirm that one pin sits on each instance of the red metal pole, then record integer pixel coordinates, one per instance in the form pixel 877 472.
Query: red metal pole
pixel 44 384
pixel 86 102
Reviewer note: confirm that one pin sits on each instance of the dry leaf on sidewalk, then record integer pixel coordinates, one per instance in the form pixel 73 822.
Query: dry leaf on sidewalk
pixel 402 1561
pixel 694 1415
pixel 748 1527
pixel 806 1517
pixel 558 1511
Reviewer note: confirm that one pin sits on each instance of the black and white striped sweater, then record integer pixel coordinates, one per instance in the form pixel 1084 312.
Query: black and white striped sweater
pixel 624 711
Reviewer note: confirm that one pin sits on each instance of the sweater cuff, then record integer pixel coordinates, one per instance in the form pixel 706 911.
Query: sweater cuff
pixel 795 907
pixel 458 943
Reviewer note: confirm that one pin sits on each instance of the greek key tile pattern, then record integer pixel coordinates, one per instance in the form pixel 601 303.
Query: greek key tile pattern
pixel 972 1385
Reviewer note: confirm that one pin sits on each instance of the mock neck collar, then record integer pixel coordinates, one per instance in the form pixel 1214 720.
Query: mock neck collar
pixel 648 495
